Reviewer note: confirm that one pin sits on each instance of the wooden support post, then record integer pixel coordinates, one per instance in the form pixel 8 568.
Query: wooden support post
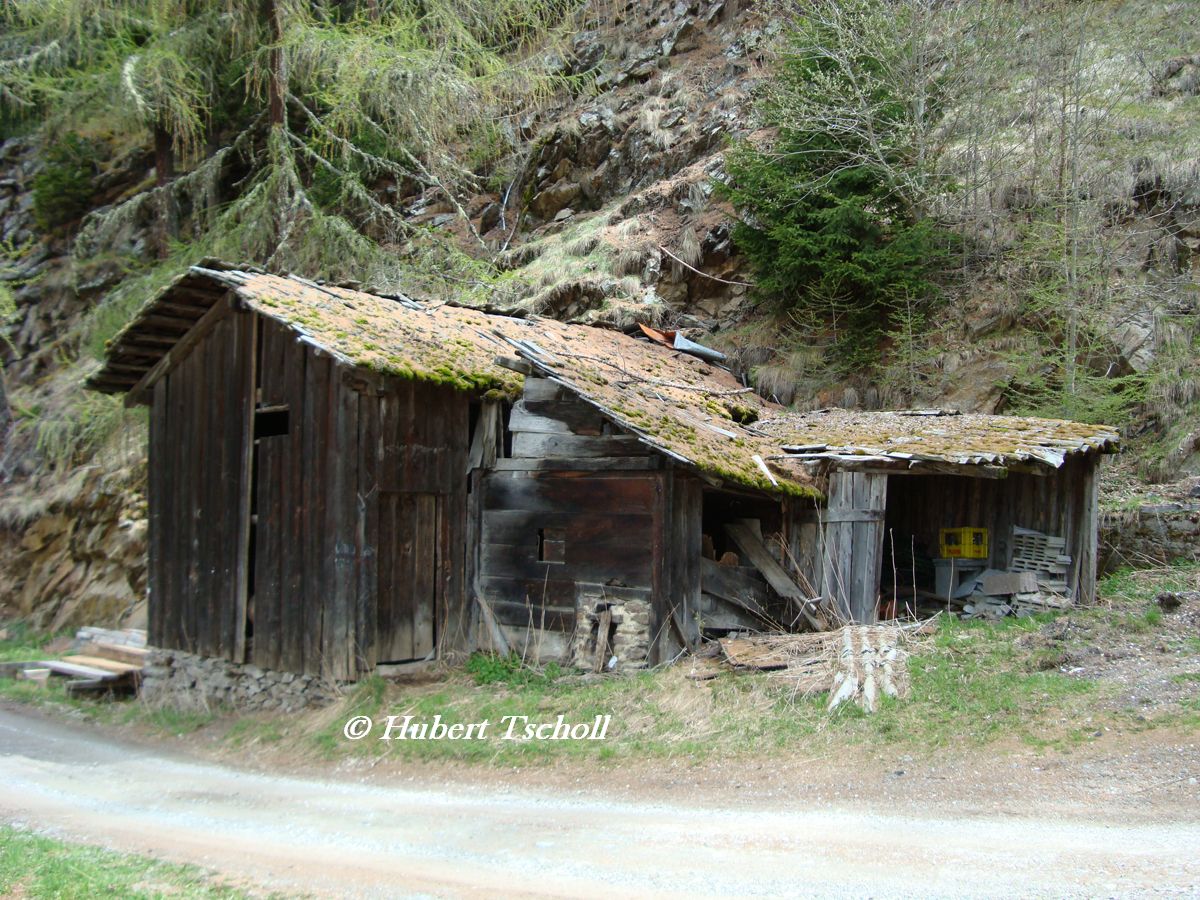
pixel 1086 543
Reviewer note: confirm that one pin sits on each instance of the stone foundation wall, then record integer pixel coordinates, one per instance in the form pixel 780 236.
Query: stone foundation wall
pixel 1150 535
pixel 629 634
pixel 186 680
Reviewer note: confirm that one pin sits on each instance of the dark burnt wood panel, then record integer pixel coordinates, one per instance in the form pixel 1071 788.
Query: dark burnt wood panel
pixel 606 525
pixel 573 492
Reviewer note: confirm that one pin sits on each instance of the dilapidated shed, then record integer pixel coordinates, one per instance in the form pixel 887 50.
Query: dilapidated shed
pixel 340 480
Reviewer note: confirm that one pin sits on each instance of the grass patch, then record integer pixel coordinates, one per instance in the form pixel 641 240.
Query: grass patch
pixel 21 643
pixel 35 866
pixel 972 683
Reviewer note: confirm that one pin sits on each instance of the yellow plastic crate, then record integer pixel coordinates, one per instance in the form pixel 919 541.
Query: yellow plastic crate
pixel 964 543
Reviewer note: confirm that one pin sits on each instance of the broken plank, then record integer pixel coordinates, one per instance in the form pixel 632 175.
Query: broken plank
pixel 732 586
pixel 771 570
pixel 747 654
pixel 602 629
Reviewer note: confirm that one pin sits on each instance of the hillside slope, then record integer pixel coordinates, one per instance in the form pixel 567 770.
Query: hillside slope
pixel 1067 146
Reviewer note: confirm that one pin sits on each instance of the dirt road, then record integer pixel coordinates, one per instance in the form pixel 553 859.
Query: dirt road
pixel 345 838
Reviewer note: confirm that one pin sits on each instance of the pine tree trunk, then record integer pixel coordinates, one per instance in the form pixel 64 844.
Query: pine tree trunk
pixel 164 155
pixel 276 113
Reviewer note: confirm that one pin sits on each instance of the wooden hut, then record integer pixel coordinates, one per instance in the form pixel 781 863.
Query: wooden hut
pixel 340 481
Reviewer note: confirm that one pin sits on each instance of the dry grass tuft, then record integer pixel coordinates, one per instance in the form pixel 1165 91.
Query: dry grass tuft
pixel 629 261
pixel 688 248
pixel 650 119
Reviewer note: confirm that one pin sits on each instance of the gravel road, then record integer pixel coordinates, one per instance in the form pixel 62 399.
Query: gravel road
pixel 332 837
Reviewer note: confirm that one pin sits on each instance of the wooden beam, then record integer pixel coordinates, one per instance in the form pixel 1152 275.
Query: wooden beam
pixel 925 468
pixel 194 311
pixel 834 516
pixel 180 349
pixel 149 341
pixel 733 586
pixel 171 323
pixel 771 570
pixel 516 365
pixel 110 385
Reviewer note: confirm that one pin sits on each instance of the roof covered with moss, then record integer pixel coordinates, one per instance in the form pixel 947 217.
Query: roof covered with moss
pixel 690 410
pixel 935 435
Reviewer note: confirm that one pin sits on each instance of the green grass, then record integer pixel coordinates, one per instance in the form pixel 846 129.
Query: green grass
pixel 22 643
pixel 40 867
pixel 971 683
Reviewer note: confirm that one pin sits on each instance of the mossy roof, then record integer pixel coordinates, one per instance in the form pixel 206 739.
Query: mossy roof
pixel 689 409
pixel 935 436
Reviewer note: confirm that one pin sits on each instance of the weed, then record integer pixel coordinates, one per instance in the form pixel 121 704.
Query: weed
pixel 491 668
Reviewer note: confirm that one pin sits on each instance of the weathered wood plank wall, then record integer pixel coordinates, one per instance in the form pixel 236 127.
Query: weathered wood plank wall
pixel 361 516
pixel 574 510
pixel 199 478
pixel 345 548
pixel 853 529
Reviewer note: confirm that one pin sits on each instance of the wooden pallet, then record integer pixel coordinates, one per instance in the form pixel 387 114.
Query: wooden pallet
pixel 1037 552
pixel 1044 555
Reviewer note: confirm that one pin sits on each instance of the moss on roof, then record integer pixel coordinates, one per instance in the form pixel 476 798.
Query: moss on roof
pixel 689 409
pixel 940 435
pixel 439 345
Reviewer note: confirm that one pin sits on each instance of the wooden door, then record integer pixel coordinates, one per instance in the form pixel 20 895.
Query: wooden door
pixel 853 543
pixel 413 559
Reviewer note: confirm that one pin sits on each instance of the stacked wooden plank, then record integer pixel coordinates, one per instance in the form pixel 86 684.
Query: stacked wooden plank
pixel 1045 555
pixel 101 661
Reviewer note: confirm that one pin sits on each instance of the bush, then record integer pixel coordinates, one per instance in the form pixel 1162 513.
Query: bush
pixel 830 213
pixel 62 190
pixel 491 668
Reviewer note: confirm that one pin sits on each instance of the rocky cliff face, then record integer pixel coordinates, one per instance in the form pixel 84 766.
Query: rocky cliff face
pixel 72 538
pixel 80 556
